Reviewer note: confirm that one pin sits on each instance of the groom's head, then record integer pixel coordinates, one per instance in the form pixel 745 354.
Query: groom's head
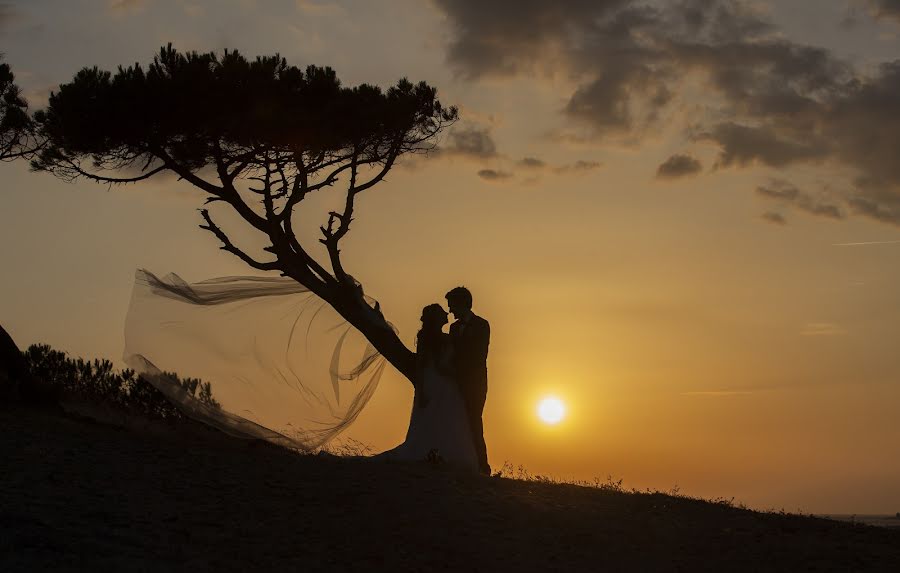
pixel 459 300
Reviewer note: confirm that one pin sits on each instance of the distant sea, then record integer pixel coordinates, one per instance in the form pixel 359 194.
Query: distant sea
pixel 879 520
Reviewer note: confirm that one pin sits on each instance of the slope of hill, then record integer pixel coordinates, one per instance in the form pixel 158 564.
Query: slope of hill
pixel 79 495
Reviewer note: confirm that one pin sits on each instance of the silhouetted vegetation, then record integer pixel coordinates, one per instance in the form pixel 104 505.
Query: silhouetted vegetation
pixel 16 125
pixel 97 381
pixel 258 135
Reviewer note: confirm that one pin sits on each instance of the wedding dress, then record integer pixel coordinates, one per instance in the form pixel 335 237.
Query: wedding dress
pixel 438 427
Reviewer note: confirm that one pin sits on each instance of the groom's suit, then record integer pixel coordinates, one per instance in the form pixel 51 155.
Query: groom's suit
pixel 471 338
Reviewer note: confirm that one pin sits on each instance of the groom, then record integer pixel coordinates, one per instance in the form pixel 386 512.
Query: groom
pixel 471 335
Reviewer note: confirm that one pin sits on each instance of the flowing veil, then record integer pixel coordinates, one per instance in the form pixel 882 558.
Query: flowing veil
pixel 283 365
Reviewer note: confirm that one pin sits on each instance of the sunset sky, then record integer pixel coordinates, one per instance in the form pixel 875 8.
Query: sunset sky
pixel 681 219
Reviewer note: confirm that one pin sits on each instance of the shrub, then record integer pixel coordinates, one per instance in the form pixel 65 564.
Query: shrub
pixel 96 381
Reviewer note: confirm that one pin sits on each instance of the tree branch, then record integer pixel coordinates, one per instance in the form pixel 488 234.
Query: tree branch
pixel 391 158
pixel 76 167
pixel 226 193
pixel 332 235
pixel 227 245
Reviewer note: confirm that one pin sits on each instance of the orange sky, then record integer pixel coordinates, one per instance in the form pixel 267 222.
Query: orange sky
pixel 695 342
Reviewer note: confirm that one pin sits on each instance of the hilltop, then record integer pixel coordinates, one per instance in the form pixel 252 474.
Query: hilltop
pixel 77 494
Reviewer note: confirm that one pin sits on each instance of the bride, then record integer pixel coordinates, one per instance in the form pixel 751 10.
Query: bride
pixel 438 427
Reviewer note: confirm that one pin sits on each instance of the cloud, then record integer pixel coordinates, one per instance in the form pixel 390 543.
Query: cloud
pixel 194 10
pixel 126 5
pixel 679 166
pixel 494 175
pixel 886 9
pixel 779 189
pixel 319 7
pixel 580 166
pixel 866 243
pixel 873 209
pixel 474 142
pixel 8 13
pixel 718 393
pixel 743 145
pixel 788 194
pixel 822 329
pixel 504 37
pixel 627 55
pixel 532 168
pixel 531 162
pixel 632 62
pixel 774 218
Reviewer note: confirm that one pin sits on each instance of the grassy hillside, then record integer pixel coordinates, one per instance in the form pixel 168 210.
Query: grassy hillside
pixel 79 495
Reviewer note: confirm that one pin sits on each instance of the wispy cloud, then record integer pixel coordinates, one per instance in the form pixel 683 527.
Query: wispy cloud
pixel 774 218
pixel 865 243
pixel 822 329
pixel 718 393
pixel 126 5
pixel 531 162
pixel 580 166
pixel 317 7
pixel 494 175
pixel 790 195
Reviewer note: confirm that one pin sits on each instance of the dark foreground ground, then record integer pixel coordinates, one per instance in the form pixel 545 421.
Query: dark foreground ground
pixel 77 495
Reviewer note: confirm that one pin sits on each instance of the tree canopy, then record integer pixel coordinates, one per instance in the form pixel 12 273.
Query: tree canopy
pixel 16 127
pixel 282 131
pixel 199 109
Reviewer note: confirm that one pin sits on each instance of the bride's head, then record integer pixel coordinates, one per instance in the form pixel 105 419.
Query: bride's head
pixel 434 317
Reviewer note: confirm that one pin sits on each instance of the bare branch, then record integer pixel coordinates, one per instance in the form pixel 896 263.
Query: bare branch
pixel 241 162
pixel 279 169
pixel 227 245
pixel 391 158
pixel 332 235
pixel 226 193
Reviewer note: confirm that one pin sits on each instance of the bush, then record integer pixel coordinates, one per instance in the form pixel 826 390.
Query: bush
pixel 97 382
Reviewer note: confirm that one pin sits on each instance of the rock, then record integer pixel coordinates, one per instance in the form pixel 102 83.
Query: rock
pixel 15 382
pixel 12 365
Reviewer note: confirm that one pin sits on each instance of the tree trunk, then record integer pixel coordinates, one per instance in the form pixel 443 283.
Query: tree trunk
pixel 385 341
pixel 345 299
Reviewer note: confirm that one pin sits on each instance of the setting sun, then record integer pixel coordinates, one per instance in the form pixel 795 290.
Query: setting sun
pixel 551 410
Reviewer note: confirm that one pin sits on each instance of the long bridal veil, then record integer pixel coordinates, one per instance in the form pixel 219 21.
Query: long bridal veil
pixel 283 365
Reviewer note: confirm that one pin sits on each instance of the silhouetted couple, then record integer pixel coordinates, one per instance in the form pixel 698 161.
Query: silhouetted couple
pixel 451 388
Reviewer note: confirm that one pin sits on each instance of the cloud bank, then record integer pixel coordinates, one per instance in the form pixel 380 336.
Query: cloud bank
pixel 768 101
